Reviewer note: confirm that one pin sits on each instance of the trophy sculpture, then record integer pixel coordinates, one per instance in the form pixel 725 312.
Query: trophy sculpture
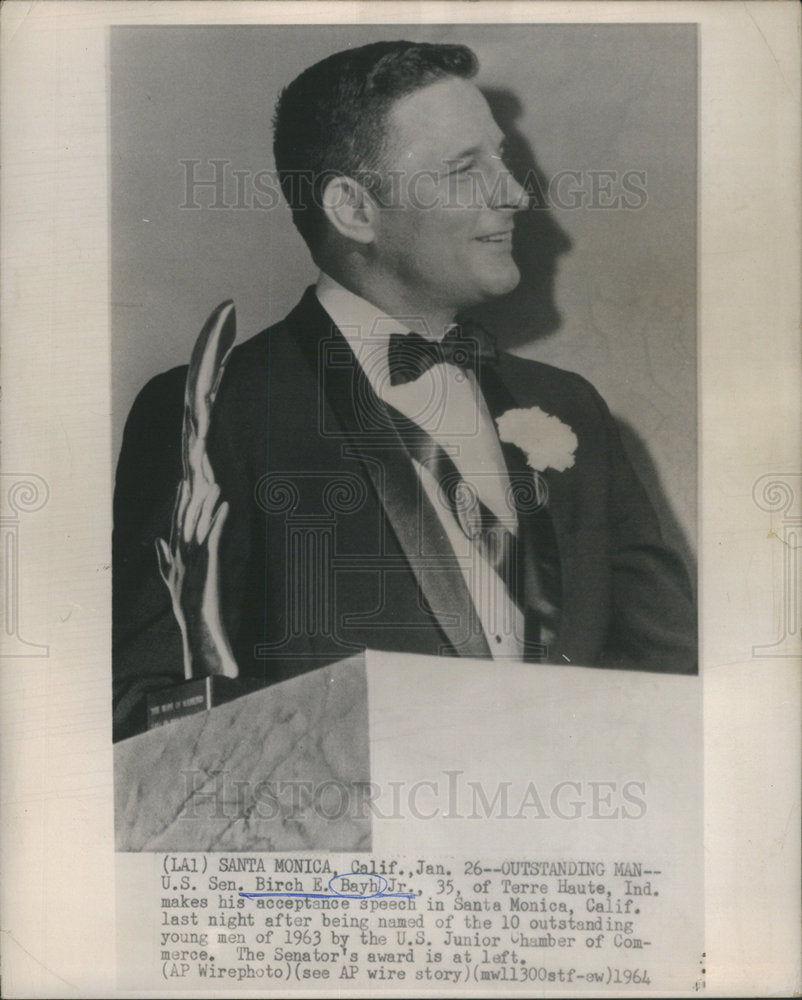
pixel 189 562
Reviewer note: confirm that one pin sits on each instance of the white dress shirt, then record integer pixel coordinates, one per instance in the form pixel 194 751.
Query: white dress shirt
pixel 445 401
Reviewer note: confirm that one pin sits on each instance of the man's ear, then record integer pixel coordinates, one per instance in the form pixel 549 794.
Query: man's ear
pixel 350 209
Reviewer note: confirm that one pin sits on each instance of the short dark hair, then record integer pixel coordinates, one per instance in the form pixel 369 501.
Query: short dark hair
pixel 331 120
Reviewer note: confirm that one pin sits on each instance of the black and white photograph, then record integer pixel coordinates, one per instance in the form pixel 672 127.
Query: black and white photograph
pixel 424 428
pixel 352 489
pixel 378 470
pixel 390 468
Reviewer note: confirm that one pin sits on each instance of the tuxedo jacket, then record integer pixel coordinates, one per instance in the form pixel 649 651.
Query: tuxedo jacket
pixel 331 546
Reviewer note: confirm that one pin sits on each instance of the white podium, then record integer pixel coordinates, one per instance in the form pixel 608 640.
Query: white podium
pixel 567 798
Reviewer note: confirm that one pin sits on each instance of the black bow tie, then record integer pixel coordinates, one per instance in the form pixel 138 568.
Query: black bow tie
pixel 467 345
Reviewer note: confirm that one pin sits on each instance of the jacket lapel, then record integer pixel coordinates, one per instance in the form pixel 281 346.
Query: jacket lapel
pixel 541 504
pixel 369 433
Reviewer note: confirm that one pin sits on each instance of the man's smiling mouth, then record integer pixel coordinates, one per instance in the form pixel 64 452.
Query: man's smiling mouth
pixel 503 237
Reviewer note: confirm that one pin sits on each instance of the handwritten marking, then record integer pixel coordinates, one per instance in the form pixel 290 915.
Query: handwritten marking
pixel 334 892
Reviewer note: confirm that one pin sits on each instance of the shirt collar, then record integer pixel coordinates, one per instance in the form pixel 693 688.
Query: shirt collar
pixel 366 328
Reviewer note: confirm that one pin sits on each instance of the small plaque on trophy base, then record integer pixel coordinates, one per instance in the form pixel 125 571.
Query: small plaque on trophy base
pixel 193 696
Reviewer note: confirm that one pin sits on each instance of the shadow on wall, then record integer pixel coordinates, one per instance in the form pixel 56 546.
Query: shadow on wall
pixel 530 312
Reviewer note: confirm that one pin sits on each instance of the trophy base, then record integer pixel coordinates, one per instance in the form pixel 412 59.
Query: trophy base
pixel 193 696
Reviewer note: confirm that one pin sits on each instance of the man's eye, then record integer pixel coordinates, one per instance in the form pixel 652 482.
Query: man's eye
pixel 461 168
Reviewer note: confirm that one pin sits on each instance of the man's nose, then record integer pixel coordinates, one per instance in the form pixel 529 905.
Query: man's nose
pixel 508 193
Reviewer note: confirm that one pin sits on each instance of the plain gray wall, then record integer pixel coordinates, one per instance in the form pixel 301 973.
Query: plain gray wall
pixel 607 292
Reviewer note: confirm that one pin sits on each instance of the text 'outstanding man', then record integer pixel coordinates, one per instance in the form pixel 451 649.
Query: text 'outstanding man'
pixel 390 480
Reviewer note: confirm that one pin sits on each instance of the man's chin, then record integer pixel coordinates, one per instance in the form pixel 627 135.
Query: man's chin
pixel 502 283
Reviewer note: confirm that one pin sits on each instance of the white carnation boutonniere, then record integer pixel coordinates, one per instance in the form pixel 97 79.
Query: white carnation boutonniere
pixel 546 441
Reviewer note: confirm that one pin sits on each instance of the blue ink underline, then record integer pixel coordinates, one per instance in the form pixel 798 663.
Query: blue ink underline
pixel 334 894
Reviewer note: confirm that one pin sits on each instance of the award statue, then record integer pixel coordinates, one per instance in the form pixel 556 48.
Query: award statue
pixel 189 562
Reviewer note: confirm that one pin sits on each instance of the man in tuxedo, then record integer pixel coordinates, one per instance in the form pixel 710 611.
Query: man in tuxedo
pixel 389 479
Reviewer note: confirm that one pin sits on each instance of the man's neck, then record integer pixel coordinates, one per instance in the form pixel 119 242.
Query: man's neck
pixel 431 322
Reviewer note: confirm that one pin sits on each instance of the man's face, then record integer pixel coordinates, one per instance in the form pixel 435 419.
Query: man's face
pixel 444 233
